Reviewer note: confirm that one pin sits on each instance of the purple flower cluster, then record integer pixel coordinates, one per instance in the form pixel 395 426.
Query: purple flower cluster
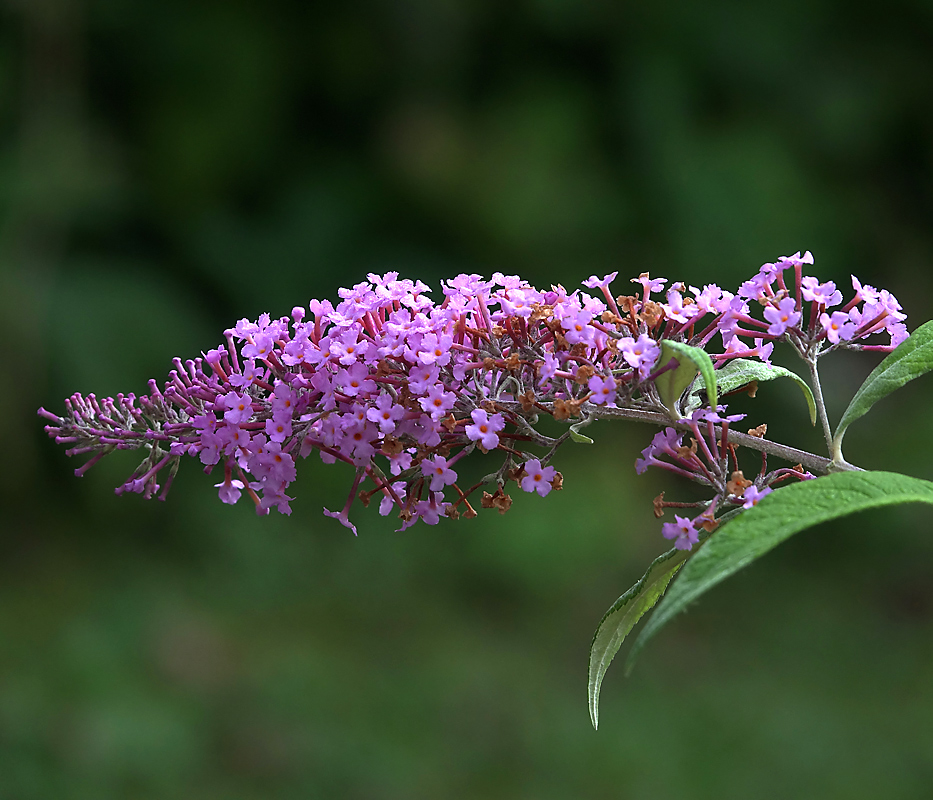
pixel 710 459
pixel 402 386
pixel 787 303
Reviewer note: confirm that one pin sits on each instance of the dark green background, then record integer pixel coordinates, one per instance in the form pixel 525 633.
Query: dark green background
pixel 169 167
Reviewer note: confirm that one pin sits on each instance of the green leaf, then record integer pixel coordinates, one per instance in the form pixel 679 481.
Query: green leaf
pixel 742 371
pixel 911 359
pixel 672 383
pixel 578 437
pixel 622 616
pixel 777 517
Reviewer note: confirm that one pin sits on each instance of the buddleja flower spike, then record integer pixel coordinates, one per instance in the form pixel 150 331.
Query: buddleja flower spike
pixel 403 387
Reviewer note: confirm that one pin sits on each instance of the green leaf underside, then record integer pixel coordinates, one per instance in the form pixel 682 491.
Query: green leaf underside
pixel 622 616
pixel 742 371
pixel 691 360
pixel 912 358
pixel 578 437
pixel 778 517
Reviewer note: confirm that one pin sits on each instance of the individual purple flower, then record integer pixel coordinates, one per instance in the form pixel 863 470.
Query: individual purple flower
pixel 600 283
pixel 824 294
pixel 323 382
pixel 438 471
pixel 435 349
pixel 359 441
pixel 755 288
pixel 485 429
pixel 466 285
pixel 387 503
pixel 205 422
pixel 890 304
pixel 537 478
pixel 593 305
pixel 519 302
pixel 399 462
pixel 676 310
pixel 245 328
pixel 752 495
pixel 278 430
pixel 664 442
pixel 650 284
pixel 734 346
pixel 233 436
pixel 641 353
pixel 709 415
pixel 882 314
pixel 577 328
pixel 796 260
pixel 838 327
pixel 259 348
pixel 438 402
pixel 210 447
pixel 603 390
pixel 385 413
pixel 548 366
pixel 275 497
pixel 348 349
pixel 343 517
pixel 863 291
pixel 423 430
pixel 430 511
pixel 899 333
pixel 229 491
pixel 355 380
pixel 239 407
pixel 508 281
pixel 784 316
pixel 283 401
pixel 683 532
pixel 422 378
pixel 711 300
pixel 764 350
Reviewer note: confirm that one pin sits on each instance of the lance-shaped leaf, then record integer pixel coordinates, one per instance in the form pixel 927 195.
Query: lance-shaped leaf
pixel 777 517
pixel 912 358
pixel 622 616
pixel 691 360
pixel 742 371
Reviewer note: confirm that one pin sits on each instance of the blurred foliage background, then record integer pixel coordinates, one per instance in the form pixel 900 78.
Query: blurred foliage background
pixel 169 167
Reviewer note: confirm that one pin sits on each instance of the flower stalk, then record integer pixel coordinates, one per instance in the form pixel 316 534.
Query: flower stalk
pixel 403 387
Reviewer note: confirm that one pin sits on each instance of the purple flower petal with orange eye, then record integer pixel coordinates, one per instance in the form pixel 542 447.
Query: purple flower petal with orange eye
pixel 537 478
pixel 603 389
pixel 485 429
pixel 782 317
pixel 438 471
